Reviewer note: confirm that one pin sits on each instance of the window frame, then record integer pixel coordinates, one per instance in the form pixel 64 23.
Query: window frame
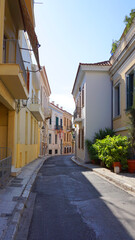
pixel 117 84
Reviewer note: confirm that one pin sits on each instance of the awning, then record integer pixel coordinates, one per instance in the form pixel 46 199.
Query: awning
pixel 30 30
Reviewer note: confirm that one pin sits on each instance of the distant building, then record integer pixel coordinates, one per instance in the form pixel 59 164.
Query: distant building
pixel 55 130
pixel 59 131
pixel 67 132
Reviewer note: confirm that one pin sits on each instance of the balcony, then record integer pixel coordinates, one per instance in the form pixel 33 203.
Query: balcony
pixel 58 127
pixel 36 109
pixel 12 70
pixel 77 115
pixel 47 113
pixel 69 128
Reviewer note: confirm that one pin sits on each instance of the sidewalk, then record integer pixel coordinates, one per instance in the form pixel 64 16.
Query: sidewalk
pixel 14 196
pixel 125 181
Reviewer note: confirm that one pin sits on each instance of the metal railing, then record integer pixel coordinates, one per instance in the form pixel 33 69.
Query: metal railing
pixel 58 127
pixel 12 54
pixel 77 112
pixel 69 128
pixel 5 165
pixel 34 100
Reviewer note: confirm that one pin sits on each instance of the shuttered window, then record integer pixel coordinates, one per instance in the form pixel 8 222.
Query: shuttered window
pixel 83 96
pixel 79 138
pixel 130 81
pixel 83 138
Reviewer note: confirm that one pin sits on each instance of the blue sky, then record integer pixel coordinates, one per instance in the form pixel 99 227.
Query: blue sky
pixel 73 31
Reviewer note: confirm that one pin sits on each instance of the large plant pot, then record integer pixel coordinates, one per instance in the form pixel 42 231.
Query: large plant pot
pixel 117 167
pixel 131 166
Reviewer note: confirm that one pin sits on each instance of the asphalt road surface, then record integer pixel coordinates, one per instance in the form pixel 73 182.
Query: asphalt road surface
pixel 72 203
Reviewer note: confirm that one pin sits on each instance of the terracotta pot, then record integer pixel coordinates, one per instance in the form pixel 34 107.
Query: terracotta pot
pixel 93 161
pixel 131 166
pixel 117 167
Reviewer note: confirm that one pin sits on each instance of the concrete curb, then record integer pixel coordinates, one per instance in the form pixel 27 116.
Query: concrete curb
pixel 120 184
pixel 12 228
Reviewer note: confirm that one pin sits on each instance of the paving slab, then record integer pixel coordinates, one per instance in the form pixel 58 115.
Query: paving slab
pixel 14 196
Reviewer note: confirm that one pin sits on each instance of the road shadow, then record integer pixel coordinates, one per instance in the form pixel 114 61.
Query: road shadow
pixel 73 203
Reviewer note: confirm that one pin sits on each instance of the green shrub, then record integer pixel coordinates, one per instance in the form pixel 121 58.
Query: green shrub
pixel 91 151
pixel 112 149
pixel 102 133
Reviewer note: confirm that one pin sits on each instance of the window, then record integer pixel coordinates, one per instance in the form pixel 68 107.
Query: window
pixel 57 122
pixel 65 150
pixel 50 121
pixel 50 138
pixel 79 139
pixel 61 123
pixel 83 96
pixel 56 151
pixel 50 151
pixel 55 138
pixel 117 100
pixel 130 85
pixel 65 137
pixel 64 121
pixel 83 138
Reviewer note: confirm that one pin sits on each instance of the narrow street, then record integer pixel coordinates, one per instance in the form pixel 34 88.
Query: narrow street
pixel 72 203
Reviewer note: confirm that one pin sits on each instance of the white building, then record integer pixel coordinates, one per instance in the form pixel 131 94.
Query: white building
pixel 55 130
pixel 92 95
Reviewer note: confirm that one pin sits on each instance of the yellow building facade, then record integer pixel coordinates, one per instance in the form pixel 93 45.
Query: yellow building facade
pixel 19 124
pixel 67 132
pixel 122 74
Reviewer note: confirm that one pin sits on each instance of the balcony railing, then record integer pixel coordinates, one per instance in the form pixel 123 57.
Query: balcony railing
pixel 58 127
pixel 77 113
pixel 5 165
pixel 12 54
pixel 34 100
pixel 69 128
pixel 36 108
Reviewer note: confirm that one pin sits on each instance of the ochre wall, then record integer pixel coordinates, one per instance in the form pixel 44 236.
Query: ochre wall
pixel 3 125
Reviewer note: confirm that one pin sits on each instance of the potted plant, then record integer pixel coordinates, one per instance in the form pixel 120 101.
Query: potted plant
pixel 131 160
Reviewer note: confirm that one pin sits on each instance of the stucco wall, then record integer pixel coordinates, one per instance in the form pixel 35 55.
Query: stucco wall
pixel 98 102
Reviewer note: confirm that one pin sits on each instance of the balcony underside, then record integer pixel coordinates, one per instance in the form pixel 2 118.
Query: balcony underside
pixel 37 111
pixel 12 77
pixel 77 120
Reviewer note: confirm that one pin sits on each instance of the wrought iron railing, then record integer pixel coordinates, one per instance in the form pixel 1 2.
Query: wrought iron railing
pixel 69 128
pixel 5 165
pixel 12 54
pixel 58 127
pixel 77 113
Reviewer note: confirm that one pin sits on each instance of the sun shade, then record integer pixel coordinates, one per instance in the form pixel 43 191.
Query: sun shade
pixel 30 30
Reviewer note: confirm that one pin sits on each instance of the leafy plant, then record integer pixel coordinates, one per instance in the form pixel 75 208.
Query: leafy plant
pixel 102 133
pixel 128 21
pixel 91 151
pixel 112 149
pixel 132 132
pixel 114 46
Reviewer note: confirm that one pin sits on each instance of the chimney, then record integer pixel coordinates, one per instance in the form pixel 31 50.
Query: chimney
pixel 62 108
pixel 52 102
pixel 57 105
